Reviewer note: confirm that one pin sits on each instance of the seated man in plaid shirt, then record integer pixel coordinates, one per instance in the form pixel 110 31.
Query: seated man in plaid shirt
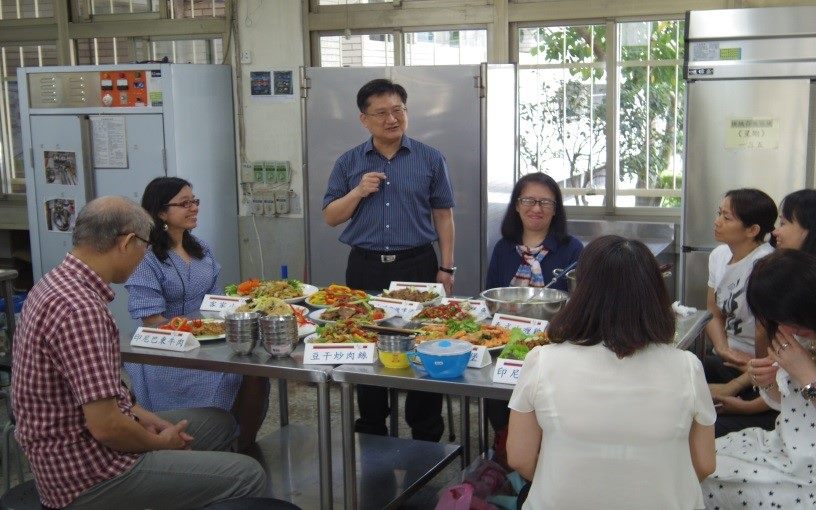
pixel 88 444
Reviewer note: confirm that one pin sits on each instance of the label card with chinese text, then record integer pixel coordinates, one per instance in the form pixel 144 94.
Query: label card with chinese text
pixel 479 357
pixel 223 304
pixel 527 325
pixel 339 354
pixel 478 307
pixel 180 341
pixel 421 286
pixel 507 371
pixel 404 309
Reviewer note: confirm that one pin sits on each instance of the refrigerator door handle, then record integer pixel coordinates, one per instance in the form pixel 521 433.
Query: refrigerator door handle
pixel 688 249
pixel 87 157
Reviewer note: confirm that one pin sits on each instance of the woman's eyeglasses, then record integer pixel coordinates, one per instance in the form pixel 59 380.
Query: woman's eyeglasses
pixel 544 203
pixel 187 204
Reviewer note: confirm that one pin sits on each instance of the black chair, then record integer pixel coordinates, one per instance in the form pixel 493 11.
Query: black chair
pixel 21 497
pixel 253 504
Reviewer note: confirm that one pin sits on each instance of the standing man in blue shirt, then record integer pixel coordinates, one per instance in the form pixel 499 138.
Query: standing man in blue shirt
pixel 397 198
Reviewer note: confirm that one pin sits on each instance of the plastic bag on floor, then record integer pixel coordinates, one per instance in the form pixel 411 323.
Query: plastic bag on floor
pixel 461 497
pixel 481 480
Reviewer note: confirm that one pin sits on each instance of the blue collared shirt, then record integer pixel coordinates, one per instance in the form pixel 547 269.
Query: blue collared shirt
pixel 399 215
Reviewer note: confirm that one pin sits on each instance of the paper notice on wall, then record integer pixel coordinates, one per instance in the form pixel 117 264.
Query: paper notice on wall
pixel 109 141
pixel 752 134
pixel 704 51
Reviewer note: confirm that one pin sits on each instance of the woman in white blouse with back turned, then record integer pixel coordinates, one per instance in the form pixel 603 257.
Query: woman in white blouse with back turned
pixel 610 414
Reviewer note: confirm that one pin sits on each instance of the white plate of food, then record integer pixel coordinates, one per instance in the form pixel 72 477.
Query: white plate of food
pixel 342 332
pixel 334 295
pixel 204 330
pixel 308 290
pixel 423 297
pixel 351 311
pixel 444 313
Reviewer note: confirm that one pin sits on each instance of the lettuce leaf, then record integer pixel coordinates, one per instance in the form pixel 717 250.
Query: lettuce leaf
pixel 231 290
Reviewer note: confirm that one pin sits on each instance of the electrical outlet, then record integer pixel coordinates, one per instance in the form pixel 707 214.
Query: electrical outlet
pixel 257 206
pixel 247 173
pixel 269 207
pixel 270 176
pixel 246 56
pixel 258 170
pixel 282 202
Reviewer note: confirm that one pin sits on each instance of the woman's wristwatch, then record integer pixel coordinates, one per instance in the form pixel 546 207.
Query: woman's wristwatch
pixel 449 270
pixel 809 391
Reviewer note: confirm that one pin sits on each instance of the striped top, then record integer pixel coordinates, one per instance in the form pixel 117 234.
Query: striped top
pixel 172 288
pixel 398 216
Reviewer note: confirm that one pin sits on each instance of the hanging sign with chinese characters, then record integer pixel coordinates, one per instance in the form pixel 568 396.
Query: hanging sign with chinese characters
pixel 180 341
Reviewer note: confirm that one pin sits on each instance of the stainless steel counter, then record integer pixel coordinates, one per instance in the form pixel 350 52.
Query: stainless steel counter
pixel 474 383
pixel 217 356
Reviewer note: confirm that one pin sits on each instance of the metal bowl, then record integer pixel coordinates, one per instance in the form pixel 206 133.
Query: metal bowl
pixel 532 302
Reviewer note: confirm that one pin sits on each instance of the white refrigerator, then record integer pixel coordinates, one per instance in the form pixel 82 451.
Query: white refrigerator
pixel 90 131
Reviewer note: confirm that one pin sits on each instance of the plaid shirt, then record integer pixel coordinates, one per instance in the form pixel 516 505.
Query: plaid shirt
pixel 66 354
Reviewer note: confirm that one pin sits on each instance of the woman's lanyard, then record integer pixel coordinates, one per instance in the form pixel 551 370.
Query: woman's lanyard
pixel 183 287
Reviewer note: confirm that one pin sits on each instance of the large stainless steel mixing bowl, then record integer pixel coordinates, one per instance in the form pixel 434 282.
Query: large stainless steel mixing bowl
pixel 532 302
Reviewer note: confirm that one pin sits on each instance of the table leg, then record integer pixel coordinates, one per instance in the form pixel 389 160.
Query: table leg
pixel 283 402
pixel 349 463
pixel 393 403
pixel 464 409
pixel 482 427
pixel 9 292
pixel 324 445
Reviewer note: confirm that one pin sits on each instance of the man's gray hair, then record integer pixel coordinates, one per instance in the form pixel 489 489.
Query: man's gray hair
pixel 103 219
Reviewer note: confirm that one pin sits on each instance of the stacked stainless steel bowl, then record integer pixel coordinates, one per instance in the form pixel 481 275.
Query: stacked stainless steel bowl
pixel 241 331
pixel 278 334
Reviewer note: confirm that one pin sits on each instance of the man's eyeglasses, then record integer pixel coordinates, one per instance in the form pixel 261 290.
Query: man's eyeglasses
pixel 544 203
pixel 140 238
pixel 397 113
pixel 187 204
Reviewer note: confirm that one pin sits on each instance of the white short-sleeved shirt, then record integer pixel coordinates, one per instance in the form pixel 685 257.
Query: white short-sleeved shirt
pixel 729 282
pixel 615 431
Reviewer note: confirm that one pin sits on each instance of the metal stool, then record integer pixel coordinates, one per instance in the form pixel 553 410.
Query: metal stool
pixel 7 277
pixel 253 504
pixel 21 497
pixel 9 443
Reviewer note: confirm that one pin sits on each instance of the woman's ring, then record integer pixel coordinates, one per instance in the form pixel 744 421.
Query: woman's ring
pixel 784 346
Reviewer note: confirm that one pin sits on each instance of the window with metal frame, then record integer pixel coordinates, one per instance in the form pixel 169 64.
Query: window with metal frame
pixel 12 169
pixel 562 97
pixel 449 47
pixel 563 110
pixel 123 50
pixel 24 9
pixel 357 50
pixel 650 113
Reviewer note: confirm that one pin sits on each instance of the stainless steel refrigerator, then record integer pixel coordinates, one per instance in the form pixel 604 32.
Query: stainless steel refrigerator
pixel 448 109
pixel 749 118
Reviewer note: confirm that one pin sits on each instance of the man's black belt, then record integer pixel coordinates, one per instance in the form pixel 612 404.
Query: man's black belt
pixel 386 257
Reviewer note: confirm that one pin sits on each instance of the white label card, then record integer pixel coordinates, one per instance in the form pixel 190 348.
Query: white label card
pixel 403 309
pixel 180 341
pixel 432 287
pixel 507 371
pixel 226 304
pixel 339 354
pixel 478 307
pixel 479 357
pixel 527 325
